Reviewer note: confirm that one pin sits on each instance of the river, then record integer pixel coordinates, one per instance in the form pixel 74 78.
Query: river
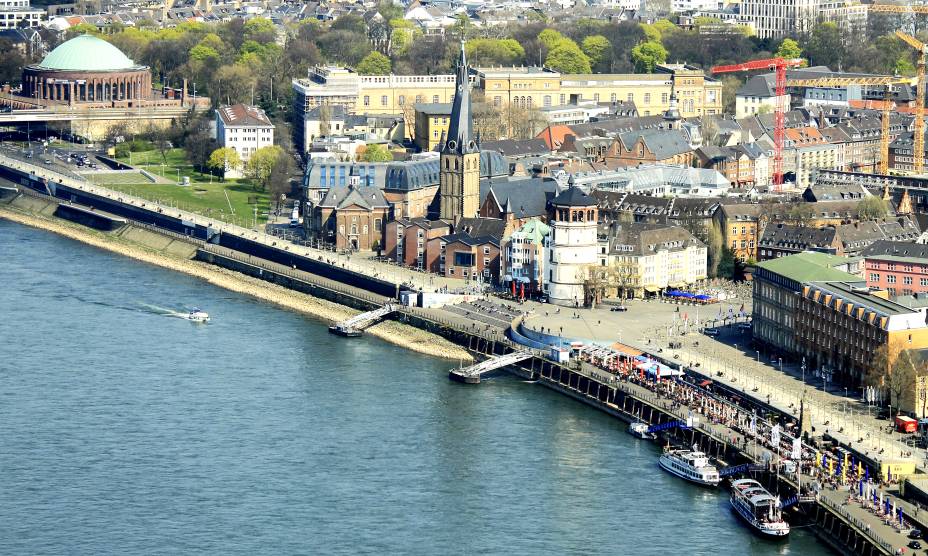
pixel 127 430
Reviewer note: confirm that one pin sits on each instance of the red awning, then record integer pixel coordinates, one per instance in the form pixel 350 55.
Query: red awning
pixel 705 383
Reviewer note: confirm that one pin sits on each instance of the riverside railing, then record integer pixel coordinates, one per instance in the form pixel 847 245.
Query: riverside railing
pixel 862 527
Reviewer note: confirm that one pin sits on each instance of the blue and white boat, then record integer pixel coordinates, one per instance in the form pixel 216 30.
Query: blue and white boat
pixel 760 509
pixel 197 315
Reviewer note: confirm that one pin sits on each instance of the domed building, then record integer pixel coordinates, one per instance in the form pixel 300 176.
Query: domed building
pixel 87 69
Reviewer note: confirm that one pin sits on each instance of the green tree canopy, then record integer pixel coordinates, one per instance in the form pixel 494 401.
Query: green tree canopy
pixel 550 38
pixel 566 57
pixel 260 29
pixel 872 208
pixel 789 49
pixel 495 52
pixel 825 47
pixel 261 163
pixel 223 159
pixel 376 153
pixel 647 55
pixel 596 48
pixel 374 63
pixel 202 53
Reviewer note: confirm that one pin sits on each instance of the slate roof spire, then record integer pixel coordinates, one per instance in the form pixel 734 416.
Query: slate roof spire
pixel 460 128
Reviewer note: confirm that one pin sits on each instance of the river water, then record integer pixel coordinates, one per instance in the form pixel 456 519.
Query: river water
pixel 127 430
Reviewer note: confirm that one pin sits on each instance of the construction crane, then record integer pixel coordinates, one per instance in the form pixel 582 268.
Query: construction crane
pixel 887 82
pixel 918 147
pixel 779 65
pixel 897 9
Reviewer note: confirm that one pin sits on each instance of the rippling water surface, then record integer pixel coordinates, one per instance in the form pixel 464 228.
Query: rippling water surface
pixel 127 430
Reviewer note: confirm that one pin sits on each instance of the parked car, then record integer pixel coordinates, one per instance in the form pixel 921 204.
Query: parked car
pixel 619 308
pixel 915 545
pixel 711 331
pixel 915 534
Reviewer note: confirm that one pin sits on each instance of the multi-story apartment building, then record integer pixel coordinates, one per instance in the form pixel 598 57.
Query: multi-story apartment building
pixel 432 121
pixel 524 255
pixel 777 284
pixel 14 13
pixel 741 226
pixel 841 326
pixel 780 18
pixel 243 128
pixel 898 267
pixel 648 258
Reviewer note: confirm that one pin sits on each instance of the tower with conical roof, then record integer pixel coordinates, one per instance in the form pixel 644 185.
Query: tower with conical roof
pixel 459 177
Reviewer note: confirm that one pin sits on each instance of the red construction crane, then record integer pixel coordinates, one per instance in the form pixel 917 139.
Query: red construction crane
pixel 779 65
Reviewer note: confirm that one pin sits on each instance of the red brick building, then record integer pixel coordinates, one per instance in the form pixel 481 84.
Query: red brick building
pixel 406 242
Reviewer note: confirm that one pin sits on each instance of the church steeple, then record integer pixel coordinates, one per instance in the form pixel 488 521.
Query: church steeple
pixel 459 163
pixel 460 128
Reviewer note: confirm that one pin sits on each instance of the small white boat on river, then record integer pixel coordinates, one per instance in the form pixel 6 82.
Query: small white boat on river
pixel 197 315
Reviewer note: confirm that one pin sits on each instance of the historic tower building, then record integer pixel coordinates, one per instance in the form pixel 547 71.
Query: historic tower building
pixel 459 177
pixel 572 248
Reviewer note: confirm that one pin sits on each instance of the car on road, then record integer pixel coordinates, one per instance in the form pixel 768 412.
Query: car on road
pixel 915 534
pixel 915 545
pixel 711 331
pixel 619 308
pixel 883 413
pixel 48 161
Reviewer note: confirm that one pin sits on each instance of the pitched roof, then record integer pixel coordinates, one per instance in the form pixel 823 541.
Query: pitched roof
pixel 797 237
pixel 573 197
pixel 243 114
pixel 902 251
pixel 513 147
pixel 663 143
pixel 365 196
pixel 527 196
pixel 481 227
pixel 648 239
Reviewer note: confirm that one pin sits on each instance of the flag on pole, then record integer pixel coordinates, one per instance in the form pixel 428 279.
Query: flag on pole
pixel 775 436
pixel 753 424
pixel 797 449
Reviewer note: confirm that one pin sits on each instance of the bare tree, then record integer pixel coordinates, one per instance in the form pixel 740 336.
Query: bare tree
pixel 325 119
pixel 625 277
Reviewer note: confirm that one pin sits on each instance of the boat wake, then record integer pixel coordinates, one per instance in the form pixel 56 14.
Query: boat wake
pixel 164 311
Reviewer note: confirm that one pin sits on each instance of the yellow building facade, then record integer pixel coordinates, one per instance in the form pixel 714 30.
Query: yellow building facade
pixel 431 122
pixel 521 86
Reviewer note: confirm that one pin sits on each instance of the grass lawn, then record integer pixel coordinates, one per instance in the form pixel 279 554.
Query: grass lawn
pixel 201 196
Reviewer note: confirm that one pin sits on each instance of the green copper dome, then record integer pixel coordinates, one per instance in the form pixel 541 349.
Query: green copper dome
pixel 87 53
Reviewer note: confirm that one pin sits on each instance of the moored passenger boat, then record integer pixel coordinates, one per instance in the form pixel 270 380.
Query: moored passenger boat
pixel 760 509
pixel 690 465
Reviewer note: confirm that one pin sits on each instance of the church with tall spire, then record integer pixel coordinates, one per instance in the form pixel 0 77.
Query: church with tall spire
pixel 459 174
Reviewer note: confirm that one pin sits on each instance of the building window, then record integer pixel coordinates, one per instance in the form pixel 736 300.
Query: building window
pixel 547 100
pixel 630 97
pixel 486 250
pixel 595 97
pixel 367 100
pixel 663 98
pixel 401 100
pixel 613 97
pixel 497 101
pixel 907 280
pixel 891 278
pixel 647 98
pixel 874 277
pixel 383 100
pixel 435 98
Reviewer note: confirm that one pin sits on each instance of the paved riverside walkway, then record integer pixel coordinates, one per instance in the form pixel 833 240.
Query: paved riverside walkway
pixel 358 263
pixel 649 326
pixel 725 421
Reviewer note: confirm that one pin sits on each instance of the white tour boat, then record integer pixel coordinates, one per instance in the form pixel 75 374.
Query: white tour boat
pixel 761 510
pixel 196 315
pixel 691 465
pixel 639 429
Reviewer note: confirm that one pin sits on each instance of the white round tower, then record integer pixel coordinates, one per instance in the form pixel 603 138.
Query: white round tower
pixel 571 246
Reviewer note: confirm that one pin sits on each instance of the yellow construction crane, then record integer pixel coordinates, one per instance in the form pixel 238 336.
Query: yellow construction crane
pixel 897 9
pixel 887 82
pixel 918 150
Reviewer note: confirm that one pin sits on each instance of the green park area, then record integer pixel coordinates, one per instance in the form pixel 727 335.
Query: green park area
pixel 232 201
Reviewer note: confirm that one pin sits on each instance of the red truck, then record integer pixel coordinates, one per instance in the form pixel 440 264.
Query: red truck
pixel 906 424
